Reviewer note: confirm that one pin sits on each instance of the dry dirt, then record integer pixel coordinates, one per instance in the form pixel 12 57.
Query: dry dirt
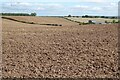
pixel 67 51
pixel 44 20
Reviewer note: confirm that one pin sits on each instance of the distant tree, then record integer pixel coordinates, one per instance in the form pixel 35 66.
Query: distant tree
pixel 113 21
pixel 86 16
pixel 102 16
pixel 90 21
pixel 14 14
pixel 106 22
pixel 118 21
pixel 83 16
pixel 69 15
pixel 33 14
pixel 113 17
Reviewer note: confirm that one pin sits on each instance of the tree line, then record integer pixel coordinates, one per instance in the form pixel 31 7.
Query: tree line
pixel 87 16
pixel 18 14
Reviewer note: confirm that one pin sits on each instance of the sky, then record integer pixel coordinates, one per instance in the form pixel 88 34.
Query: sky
pixel 61 7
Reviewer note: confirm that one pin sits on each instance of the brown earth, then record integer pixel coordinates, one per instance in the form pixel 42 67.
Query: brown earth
pixel 44 20
pixel 67 51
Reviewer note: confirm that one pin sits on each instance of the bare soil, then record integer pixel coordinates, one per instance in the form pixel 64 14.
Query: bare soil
pixel 43 20
pixel 67 51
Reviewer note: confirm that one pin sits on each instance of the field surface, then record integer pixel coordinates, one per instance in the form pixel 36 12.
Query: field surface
pixel 43 20
pixel 68 51
pixel 85 20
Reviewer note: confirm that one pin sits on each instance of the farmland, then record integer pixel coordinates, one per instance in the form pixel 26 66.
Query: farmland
pixel 85 20
pixel 43 20
pixel 71 50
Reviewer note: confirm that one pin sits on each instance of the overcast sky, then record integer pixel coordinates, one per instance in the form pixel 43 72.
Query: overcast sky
pixel 62 7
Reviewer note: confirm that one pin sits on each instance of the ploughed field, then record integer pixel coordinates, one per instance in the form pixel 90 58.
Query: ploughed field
pixel 43 20
pixel 66 51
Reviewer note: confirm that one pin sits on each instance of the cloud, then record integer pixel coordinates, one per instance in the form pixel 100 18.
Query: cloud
pixel 78 7
pixel 59 1
pixel 50 7
pixel 55 6
pixel 24 4
pixel 95 0
pixel 17 4
pixel 86 8
pixel 58 8
pixel 110 7
pixel 40 8
pixel 17 7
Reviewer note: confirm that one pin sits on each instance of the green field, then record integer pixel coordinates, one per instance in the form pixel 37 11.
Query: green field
pixel 85 20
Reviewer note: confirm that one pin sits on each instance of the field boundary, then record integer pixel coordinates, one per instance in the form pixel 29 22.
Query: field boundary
pixel 30 22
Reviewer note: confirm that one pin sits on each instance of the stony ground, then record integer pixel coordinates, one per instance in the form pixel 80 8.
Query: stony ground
pixel 67 51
